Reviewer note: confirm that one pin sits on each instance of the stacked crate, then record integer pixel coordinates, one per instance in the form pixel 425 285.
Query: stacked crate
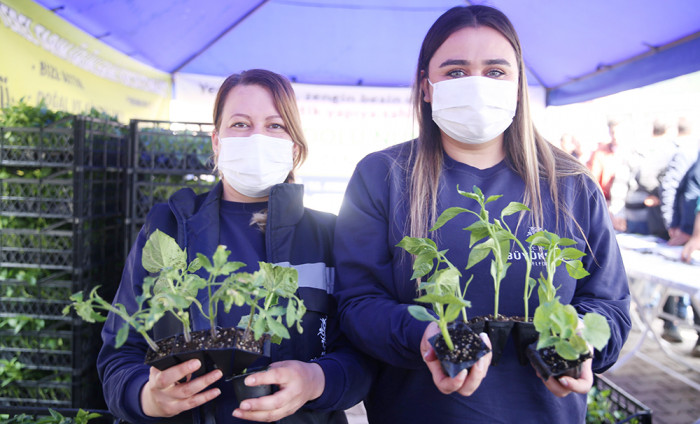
pixel 62 214
pixel 165 157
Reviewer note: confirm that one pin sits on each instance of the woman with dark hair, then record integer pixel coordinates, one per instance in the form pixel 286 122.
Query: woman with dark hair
pixel 257 212
pixel 475 129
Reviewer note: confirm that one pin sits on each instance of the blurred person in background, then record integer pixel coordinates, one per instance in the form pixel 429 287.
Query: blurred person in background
pixel 678 212
pixel 604 161
pixel 634 195
pixel 571 145
pixel 685 231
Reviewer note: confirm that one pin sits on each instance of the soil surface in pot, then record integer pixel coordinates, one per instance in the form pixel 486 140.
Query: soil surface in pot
pixel 558 365
pixel 467 345
pixel 202 340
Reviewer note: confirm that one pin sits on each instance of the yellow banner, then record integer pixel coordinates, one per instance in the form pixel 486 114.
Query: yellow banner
pixel 44 57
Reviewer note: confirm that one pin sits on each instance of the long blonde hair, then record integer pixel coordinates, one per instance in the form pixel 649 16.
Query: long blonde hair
pixel 529 154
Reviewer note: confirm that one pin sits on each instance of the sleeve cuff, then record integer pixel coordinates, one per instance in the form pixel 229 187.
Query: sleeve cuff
pixel 334 387
pixel 132 400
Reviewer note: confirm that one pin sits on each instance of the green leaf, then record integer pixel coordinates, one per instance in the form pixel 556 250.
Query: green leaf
pixel 579 344
pixel 572 253
pixel 205 263
pixel 122 335
pixel 162 251
pixel 478 230
pixel 194 266
pixel 493 198
pixel 277 328
pixel 566 242
pixel 514 207
pixel 417 245
pixel 220 256
pixel 474 196
pixel 477 254
pixel 596 330
pixel 566 350
pixel 447 215
pixel 420 313
pixel 423 264
pixel 259 327
pixel 448 278
pixel 453 311
pixel 576 269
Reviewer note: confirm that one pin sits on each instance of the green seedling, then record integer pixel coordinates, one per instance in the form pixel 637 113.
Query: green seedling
pixel 558 325
pixel 442 289
pixel 491 238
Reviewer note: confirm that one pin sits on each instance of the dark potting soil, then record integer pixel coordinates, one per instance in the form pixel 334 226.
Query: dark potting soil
pixel 466 342
pixel 202 340
pixel 557 364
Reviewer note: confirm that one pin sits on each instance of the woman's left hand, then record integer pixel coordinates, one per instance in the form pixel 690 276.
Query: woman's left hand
pixel 467 381
pixel 299 382
pixel 562 386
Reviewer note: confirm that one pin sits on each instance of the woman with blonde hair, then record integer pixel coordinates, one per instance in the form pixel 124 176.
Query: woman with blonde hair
pixel 475 129
pixel 256 211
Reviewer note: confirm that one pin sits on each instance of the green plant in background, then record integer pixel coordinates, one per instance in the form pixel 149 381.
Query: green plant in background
pixel 11 370
pixel 442 289
pixel 494 238
pixel 55 417
pixel 558 324
pixel 23 114
pixel 601 410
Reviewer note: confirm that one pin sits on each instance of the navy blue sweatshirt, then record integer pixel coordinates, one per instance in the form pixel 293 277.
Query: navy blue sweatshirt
pixel 294 236
pixel 374 290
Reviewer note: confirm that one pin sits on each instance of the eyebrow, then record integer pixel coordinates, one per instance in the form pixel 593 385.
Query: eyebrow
pixel 462 62
pixel 248 116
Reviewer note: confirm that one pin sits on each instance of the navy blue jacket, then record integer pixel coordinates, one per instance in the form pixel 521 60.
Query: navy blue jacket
pixel 686 199
pixel 375 289
pixel 294 236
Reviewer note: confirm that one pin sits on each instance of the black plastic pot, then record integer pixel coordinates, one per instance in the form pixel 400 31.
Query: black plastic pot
pixel 524 334
pixel 230 360
pixel 477 324
pixel 541 361
pixel 244 392
pixel 498 332
pixel 477 348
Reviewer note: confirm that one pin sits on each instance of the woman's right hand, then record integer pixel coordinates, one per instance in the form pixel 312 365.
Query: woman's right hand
pixel 467 381
pixel 164 396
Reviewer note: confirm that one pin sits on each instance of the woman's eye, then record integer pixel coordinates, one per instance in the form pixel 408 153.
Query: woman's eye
pixel 239 125
pixel 457 73
pixel 495 73
pixel 276 126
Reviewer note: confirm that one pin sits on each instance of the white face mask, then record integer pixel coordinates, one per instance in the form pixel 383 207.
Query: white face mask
pixel 474 110
pixel 252 165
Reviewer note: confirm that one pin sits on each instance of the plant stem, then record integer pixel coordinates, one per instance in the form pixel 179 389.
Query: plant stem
pixel 445 334
pixel 151 343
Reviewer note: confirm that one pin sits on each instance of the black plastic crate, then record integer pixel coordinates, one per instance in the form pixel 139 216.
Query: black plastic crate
pixel 171 147
pixel 54 391
pixel 57 365
pixel 66 245
pixel 150 189
pixel 165 157
pixel 95 194
pixel 76 142
pixel 618 400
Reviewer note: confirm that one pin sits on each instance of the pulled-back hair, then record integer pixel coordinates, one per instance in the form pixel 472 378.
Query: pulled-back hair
pixel 283 99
